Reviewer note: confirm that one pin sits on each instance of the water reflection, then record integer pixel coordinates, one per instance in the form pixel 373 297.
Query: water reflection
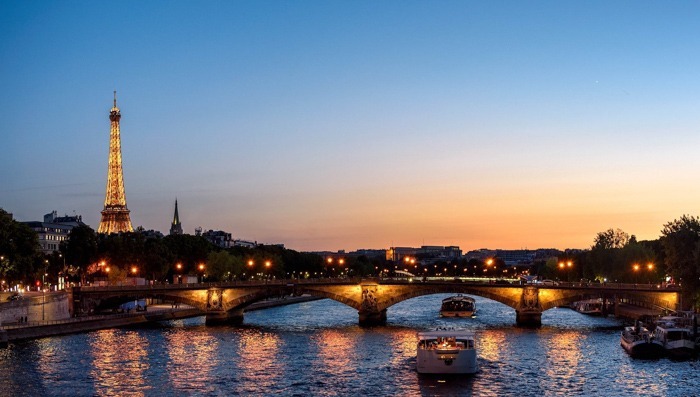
pixel 336 351
pixel 563 351
pixel 258 361
pixel 491 344
pixel 192 360
pixel 119 359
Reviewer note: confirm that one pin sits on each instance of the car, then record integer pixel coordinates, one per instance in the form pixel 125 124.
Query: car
pixel 548 282
pixel 13 297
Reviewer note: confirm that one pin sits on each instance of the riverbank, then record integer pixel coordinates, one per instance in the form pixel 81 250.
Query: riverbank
pixel 43 329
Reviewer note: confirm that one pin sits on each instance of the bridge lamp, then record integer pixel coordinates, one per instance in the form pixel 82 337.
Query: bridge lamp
pixel 107 269
pixel 489 262
pixel 250 263
pixel 268 263
pixel 635 267
pixel 341 261
pixel 561 265
pixel 134 269
pixel 650 266
pixel 201 267
pixel 179 266
pixel 329 260
pixel 569 264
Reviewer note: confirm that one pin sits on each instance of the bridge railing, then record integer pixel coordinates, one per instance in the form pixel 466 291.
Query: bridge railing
pixel 221 284
pixel 402 280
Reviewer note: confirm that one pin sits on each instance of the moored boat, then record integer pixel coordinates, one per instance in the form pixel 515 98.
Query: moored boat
pixel 638 342
pixel 677 340
pixel 458 306
pixel 446 352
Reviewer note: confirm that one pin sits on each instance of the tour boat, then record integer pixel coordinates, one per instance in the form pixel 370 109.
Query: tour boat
pixel 458 306
pixel 446 352
pixel 638 342
pixel 592 307
pixel 677 340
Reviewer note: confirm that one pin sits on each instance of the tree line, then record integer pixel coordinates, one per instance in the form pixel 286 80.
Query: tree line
pixel 615 256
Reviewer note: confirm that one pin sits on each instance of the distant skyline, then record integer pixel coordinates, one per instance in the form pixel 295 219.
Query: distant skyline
pixel 344 125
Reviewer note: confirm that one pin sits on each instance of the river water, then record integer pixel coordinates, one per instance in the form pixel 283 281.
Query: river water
pixel 317 349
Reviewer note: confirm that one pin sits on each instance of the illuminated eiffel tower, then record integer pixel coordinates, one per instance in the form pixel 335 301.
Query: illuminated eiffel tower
pixel 115 216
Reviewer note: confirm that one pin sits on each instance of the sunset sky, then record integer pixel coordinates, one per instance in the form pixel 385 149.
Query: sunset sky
pixel 327 125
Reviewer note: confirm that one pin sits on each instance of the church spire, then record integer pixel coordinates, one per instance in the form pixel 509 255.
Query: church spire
pixel 176 226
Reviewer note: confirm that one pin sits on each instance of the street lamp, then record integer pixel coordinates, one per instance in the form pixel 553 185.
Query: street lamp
pixel 267 267
pixel 201 270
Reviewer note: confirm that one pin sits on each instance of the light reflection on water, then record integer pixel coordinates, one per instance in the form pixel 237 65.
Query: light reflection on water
pixel 187 351
pixel 119 359
pixel 317 348
pixel 258 359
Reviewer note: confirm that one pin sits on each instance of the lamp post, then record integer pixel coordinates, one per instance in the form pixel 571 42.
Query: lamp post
pixel 635 268
pixel 201 271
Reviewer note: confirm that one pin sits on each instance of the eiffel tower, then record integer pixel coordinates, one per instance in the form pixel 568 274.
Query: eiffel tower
pixel 115 215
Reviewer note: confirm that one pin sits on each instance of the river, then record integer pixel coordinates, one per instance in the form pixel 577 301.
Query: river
pixel 317 349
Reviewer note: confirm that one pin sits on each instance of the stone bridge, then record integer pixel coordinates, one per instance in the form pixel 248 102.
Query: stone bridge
pixel 225 302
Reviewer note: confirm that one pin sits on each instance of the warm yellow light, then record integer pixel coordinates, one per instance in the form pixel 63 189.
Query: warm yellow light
pixel 489 262
pixel 650 266
pixel 179 266
pixel 107 269
pixel 635 267
pixel 561 265
pixel 134 269
pixel 201 266
pixel 268 263
pixel 329 260
pixel 341 261
pixel 250 263
pixel 569 263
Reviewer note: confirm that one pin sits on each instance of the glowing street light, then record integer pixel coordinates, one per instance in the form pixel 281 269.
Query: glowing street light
pixel 134 270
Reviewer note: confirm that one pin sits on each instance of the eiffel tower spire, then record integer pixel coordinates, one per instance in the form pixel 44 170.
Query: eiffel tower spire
pixel 115 216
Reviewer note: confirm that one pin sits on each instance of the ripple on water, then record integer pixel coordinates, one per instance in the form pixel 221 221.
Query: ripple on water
pixel 316 348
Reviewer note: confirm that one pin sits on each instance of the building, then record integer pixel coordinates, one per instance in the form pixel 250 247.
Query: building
pixel 53 230
pixel 176 226
pixel 115 215
pixel 397 254
pixel 245 243
pixel 218 237
pixel 426 254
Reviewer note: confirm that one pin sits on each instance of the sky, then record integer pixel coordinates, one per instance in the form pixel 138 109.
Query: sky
pixel 328 125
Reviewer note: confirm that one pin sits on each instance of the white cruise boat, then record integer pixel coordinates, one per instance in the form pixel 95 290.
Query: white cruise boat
pixel 677 340
pixel 458 306
pixel 446 352
pixel 638 342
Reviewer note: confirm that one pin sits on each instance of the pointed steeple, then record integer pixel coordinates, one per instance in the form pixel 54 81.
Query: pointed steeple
pixel 176 226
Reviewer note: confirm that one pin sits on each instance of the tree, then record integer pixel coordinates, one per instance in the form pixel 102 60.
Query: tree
pixel 222 265
pixel 681 244
pixel 80 250
pixel 19 249
pixel 611 239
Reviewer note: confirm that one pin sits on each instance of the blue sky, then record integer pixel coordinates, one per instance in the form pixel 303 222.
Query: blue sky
pixel 344 125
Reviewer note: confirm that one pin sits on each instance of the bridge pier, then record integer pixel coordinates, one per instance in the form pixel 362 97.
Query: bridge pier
pixel 528 313
pixel 370 318
pixel 528 318
pixel 233 317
